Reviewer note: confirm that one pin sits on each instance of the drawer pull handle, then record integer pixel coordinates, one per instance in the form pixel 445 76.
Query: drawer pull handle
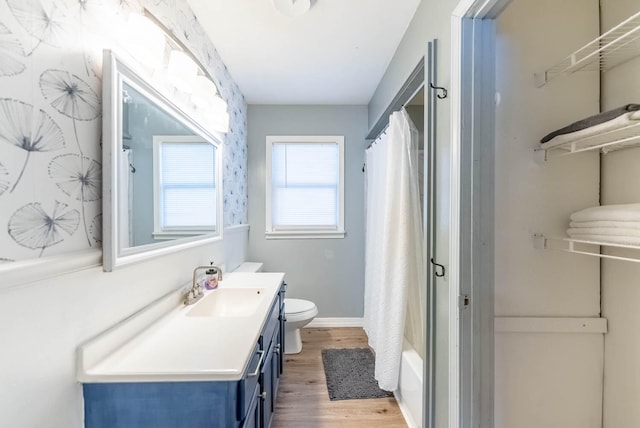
pixel 263 395
pixel 257 372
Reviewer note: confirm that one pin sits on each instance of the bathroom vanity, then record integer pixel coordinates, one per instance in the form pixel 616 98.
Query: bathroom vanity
pixel 216 363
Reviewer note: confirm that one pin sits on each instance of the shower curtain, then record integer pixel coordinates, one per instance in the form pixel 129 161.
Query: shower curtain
pixel 394 262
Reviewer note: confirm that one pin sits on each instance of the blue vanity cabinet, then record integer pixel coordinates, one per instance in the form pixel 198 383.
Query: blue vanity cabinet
pixel 255 410
pixel 272 367
pixel 219 404
pixel 282 319
pixel 269 381
pixel 246 403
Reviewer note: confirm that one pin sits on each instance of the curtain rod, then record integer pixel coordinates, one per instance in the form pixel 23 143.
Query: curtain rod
pixel 407 91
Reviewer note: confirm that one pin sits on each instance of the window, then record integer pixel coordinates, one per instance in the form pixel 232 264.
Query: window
pixel 305 187
pixel 185 199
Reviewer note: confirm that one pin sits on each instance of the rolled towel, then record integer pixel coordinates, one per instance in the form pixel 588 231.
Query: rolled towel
pixel 591 121
pixel 609 239
pixel 621 212
pixel 605 223
pixel 603 231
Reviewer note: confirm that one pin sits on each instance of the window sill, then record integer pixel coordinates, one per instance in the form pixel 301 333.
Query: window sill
pixel 161 236
pixel 305 234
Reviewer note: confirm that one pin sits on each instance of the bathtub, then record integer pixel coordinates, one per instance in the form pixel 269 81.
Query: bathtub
pixel 409 394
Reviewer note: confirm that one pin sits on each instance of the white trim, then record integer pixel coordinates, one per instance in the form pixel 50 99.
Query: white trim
pixel 275 232
pixel 306 234
pixel 479 9
pixel 406 413
pixel 550 325
pixel 244 227
pixel 27 271
pixel 336 322
pixel 23 272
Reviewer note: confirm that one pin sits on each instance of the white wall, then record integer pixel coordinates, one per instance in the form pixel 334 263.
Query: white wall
pixel 43 318
pixel 544 379
pixel 329 272
pixel 43 322
pixel 620 286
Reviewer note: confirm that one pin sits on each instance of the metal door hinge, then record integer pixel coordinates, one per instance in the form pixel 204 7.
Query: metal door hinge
pixel 463 301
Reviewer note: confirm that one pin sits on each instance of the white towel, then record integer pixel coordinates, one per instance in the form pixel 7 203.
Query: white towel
pixel 609 239
pixel 623 212
pixel 603 231
pixel 605 223
pixel 627 119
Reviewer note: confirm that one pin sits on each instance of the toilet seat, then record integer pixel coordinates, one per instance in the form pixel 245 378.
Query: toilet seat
pixel 299 310
pixel 294 306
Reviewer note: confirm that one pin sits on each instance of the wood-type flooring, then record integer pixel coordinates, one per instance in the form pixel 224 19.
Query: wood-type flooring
pixel 303 400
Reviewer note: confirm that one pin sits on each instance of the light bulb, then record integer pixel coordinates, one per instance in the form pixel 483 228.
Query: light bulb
pixel 146 41
pixel 181 71
pixel 204 90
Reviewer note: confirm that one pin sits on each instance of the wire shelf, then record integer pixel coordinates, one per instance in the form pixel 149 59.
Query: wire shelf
pixel 586 247
pixel 609 141
pixel 616 46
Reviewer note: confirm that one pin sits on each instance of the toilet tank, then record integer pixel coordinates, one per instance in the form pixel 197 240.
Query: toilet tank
pixel 249 267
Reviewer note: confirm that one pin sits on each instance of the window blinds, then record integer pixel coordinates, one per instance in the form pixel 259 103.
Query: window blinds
pixel 305 185
pixel 188 193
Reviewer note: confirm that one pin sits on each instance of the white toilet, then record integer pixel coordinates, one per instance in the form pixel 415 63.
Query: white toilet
pixel 298 313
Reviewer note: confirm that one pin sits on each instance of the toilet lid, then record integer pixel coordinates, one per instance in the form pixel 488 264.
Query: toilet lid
pixel 295 306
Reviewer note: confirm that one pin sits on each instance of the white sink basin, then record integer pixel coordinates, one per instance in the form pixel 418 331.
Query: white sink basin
pixel 229 302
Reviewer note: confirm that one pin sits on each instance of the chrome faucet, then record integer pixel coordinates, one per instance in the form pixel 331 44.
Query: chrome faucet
pixel 196 291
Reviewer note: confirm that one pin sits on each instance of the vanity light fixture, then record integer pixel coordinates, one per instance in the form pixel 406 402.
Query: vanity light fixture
pixel 292 7
pixel 182 71
pixel 146 41
pixel 204 90
pixel 219 115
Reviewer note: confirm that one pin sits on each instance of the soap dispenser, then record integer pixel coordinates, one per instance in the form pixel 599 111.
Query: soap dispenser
pixel 211 278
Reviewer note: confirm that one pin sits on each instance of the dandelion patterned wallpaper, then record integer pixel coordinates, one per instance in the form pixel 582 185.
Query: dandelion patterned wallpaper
pixel 50 118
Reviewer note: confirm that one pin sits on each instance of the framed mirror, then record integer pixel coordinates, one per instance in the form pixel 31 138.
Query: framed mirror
pixel 161 172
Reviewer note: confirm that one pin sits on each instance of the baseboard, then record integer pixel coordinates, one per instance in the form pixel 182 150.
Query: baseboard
pixel 336 322
pixel 406 414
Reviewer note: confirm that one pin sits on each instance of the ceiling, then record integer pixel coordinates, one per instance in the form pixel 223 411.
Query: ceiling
pixel 336 53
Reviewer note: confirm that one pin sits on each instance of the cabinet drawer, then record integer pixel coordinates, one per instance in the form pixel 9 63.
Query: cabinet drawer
pixel 271 325
pixel 247 386
pixel 252 419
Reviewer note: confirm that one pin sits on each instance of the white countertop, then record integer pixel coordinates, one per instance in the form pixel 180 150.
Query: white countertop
pixel 183 348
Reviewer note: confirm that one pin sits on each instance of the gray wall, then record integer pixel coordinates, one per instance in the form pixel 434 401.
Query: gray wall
pixel 329 272
pixel 432 20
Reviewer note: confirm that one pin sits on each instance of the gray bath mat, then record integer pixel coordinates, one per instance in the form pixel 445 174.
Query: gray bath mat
pixel 349 374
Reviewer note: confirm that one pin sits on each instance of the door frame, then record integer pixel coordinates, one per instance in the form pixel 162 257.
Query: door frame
pixel 471 234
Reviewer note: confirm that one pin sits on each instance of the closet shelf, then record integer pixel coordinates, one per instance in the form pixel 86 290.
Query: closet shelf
pixel 614 47
pixel 590 248
pixel 609 141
